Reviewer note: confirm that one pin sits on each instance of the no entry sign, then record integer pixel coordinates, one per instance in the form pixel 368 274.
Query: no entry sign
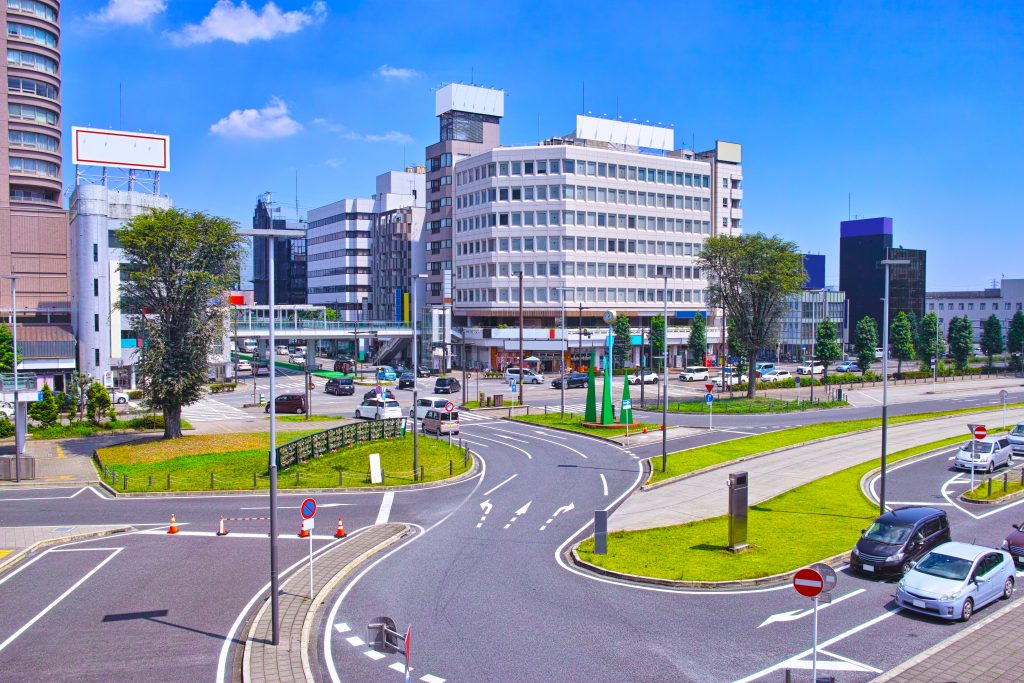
pixel 979 431
pixel 808 582
pixel 308 508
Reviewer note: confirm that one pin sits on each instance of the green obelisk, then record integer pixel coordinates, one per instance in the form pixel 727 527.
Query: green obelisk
pixel 591 412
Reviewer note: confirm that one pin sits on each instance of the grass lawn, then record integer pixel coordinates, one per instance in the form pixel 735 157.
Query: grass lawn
pixel 794 529
pixel 981 492
pixel 233 458
pixel 573 422
pixel 80 429
pixel 682 462
pixel 759 404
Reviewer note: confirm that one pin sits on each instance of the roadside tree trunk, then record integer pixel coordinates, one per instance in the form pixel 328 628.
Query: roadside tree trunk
pixel 172 422
pixel 751 374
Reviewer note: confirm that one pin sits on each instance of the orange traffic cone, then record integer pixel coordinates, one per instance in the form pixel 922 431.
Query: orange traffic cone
pixel 173 528
pixel 340 533
pixel 645 430
pixel 222 531
pixel 303 532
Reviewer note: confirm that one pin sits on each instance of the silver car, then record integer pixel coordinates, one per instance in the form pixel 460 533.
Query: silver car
pixel 1016 437
pixel 955 579
pixel 984 455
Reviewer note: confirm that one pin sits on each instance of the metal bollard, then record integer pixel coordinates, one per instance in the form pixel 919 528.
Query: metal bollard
pixel 340 475
pixel 451 468
pixel 296 476
pixel 106 471
pixel 421 472
pixel 124 486
pixel 168 481
pixel 113 477
pixel 1006 480
pixel 151 481
pixel 990 487
pixel 211 480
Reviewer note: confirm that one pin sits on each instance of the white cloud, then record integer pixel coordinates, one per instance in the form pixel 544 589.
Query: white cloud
pixel 395 72
pixel 272 121
pixel 347 133
pixel 129 11
pixel 241 24
pixel 333 162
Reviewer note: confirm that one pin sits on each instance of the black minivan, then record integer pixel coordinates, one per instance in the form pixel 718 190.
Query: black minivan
pixel 340 386
pixel 897 539
pixel 446 385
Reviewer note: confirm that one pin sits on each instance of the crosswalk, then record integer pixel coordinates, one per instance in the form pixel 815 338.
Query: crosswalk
pixel 212 410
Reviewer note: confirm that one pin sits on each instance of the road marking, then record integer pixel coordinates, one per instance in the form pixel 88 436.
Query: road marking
pixel 385 507
pixel 801 613
pixel 374 655
pixel 518 513
pixel 355 641
pixel 78 550
pixel 868 396
pixel 342 628
pixel 11 500
pixel 489 492
pixel 604 484
pixel 502 443
pixel 431 679
pixel 486 507
pixel 233 534
pixel 564 508
pixel 399 667
pixel 917 502
pixel 546 435
pixel 69 591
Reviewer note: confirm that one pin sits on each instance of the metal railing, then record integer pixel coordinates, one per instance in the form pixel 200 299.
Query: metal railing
pixel 368 326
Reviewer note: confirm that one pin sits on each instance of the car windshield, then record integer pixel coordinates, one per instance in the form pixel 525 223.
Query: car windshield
pixel 978 447
pixel 944 566
pixel 390 404
pixel 1018 430
pixel 887 532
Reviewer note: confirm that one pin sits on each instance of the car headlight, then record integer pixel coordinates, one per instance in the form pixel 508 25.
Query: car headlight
pixel 895 558
pixel 855 553
pixel 902 584
pixel 950 596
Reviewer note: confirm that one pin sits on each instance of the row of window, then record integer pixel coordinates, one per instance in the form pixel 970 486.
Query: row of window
pixel 345 234
pixel 609 295
pixel 338 217
pixel 517 219
pixel 347 270
pixel 28 194
pixel 578 243
pixel 34 167
pixel 31 86
pixel 583 193
pixel 598 169
pixel 970 306
pixel 30 112
pixel 32 34
pixel 334 289
pixel 28 139
pixel 33 7
pixel 338 253
pixel 30 60
pixel 576 269
pixel 442 161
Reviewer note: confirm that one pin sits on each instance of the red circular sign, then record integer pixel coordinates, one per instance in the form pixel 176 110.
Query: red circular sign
pixel 449 407
pixel 308 508
pixel 709 387
pixel 980 432
pixel 808 582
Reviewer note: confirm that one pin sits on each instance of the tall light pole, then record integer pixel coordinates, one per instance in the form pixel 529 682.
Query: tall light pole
pixel 664 371
pixel 886 263
pixel 271 235
pixel 565 343
pixel 19 436
pixel 522 356
pixel 415 378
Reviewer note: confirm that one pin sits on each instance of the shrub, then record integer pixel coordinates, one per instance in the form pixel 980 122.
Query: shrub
pixel 216 388
pixel 147 422
pixel 6 427
pixel 135 394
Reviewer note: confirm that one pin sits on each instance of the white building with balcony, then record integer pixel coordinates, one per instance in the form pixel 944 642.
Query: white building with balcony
pixel 978 305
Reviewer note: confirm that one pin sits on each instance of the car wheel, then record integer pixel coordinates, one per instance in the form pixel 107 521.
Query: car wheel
pixel 1008 588
pixel 991 466
pixel 122 400
pixel 299 411
pixel 967 610
pixel 905 567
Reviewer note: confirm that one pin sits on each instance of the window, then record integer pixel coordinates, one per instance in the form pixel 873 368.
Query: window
pixel 31 87
pixel 29 140
pixel 30 60
pixel 503 168
pixel 33 7
pixel 34 167
pixel 568 165
pixel 96 355
pixel 542 167
pixel 32 34
pixel 96 322
pixel 554 165
pixel 981 306
pixel 95 252
pixel 528 167
pixel 517 168
pixel 28 112
pixel 95 287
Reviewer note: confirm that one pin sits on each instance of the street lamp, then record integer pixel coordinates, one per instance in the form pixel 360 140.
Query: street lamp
pixel 522 356
pixel 415 378
pixel 664 371
pixel 565 343
pixel 272 235
pixel 885 374
pixel 19 437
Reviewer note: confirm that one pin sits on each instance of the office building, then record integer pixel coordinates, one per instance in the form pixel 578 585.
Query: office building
pixel 289 257
pixel 397 252
pixel 863 244
pixel 804 312
pixel 338 252
pixel 34 240
pixel 814 266
pixel 978 305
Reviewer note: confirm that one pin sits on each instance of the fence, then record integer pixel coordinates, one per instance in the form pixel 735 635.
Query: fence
pixel 334 439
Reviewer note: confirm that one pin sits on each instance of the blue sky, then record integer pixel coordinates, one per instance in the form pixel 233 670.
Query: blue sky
pixel 913 109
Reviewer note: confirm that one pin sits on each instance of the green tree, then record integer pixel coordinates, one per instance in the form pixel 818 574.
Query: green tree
pixel 751 276
pixel 827 347
pixel 901 339
pixel 915 332
pixel 698 343
pixel 930 345
pixel 623 344
pixel 97 402
pixel 1015 339
pixel 657 339
pixel 181 264
pixel 865 341
pixel 992 342
pixel 45 411
pixel 736 348
pixel 961 341
pixel 7 350
pixel 77 393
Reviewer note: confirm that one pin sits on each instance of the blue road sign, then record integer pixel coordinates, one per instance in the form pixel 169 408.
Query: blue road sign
pixel 797 380
pixel 308 508
pixel 514 385
pixel 627 404
pixel 709 398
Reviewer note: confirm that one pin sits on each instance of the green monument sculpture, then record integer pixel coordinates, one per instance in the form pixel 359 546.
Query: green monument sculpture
pixel 591 413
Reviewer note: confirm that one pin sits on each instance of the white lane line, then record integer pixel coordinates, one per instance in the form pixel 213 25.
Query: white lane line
pixel 917 502
pixel 800 614
pixel 868 396
pixel 489 492
pixel 342 628
pixel 399 667
pixel 502 443
pixel 78 550
pixel 604 484
pixel 69 591
pixel 374 655
pixel 14 500
pixel 385 507
pixel 852 662
pixel 431 679
pixel 233 534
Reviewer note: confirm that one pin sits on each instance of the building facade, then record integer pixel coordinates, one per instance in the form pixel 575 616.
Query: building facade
pixel 289 258
pixel 338 257
pixel 34 239
pixel 804 313
pixel 978 305
pixel 397 251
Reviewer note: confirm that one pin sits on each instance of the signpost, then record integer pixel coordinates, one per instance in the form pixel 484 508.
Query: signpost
pixel 408 652
pixel 627 404
pixel 376 476
pixel 979 432
pixel 1002 397
pixel 307 510
pixel 796 380
pixel 709 398
pixel 811 582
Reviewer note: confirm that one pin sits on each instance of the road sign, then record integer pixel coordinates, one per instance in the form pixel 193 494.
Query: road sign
pixel 797 380
pixel 979 432
pixel 307 524
pixel 808 582
pixel 408 651
pixel 710 387
pixel 378 389
pixel 1003 394
pixel 449 407
pixel 709 398
pixel 308 508
pixel 627 404
pixel 513 384
pixel 828 575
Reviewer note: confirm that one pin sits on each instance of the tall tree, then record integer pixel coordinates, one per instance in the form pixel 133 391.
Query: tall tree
pixel 827 347
pixel 658 340
pixel 97 401
pixel 7 350
pixel 992 342
pixel 865 341
pixel 901 339
pixel 45 411
pixel 751 276
pixel 736 347
pixel 915 332
pixel 623 340
pixel 961 341
pixel 1015 339
pixel 180 265
pixel 930 345
pixel 698 343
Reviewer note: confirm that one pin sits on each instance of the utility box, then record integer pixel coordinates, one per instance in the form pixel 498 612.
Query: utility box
pixel 738 511
pixel 499 400
pixel 26 468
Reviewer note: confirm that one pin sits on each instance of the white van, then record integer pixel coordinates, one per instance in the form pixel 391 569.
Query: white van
pixel 419 411
pixel 528 376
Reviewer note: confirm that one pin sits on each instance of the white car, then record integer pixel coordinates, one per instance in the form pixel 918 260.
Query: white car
pixel 694 373
pixel 809 368
pixel 985 454
pixel 427 403
pixel 281 350
pixel 776 376
pixel 118 397
pixel 298 359
pixel 244 366
pixel 650 377
pixel 7 409
pixel 731 379
pixel 377 409
pixel 528 375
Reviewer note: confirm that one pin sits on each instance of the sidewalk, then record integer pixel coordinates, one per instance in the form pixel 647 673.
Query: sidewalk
pixel 706 495
pixel 18 541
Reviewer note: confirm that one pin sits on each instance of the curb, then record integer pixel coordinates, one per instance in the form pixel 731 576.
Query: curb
pixel 942 645
pixel 1008 498
pixel 17 557
pixel 473 470
pixel 606 439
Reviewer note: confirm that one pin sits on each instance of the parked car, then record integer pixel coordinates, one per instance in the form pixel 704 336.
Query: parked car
pixel 377 409
pixel 1014 543
pixel 118 396
pixel 761 369
pixel 732 378
pixel 446 385
pixel 878 353
pixel 244 366
pixel 441 422
pixel 344 364
pixel 419 411
pixel 848 366
pixel 340 386
pixel 385 393
pixel 289 403
pixel 7 410
pixel 528 376
pixel 386 373
pixel 694 373
pixel 1016 437
pixel 985 454
pixel 649 377
pixel 955 579
pixel 281 350
pixel 406 380
pixel 893 541
pixel 776 376
pixel 572 380
pixel 297 358
pixel 810 368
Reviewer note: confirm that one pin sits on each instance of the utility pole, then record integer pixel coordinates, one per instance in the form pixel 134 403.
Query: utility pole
pixel 664 390
pixel 643 352
pixel 886 262
pixel 416 379
pixel 522 356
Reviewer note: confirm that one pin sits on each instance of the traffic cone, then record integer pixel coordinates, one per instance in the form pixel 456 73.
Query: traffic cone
pixel 173 528
pixel 645 430
pixel 340 533
pixel 222 531
pixel 303 532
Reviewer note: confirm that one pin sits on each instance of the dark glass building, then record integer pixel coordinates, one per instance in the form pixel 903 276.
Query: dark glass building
pixel 863 244
pixel 814 266
pixel 289 260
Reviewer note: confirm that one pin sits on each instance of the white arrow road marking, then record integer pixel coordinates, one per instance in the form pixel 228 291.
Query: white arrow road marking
pixel 520 511
pixel 801 613
pixel 604 484
pixel 342 627
pixel 486 507
pixel 564 508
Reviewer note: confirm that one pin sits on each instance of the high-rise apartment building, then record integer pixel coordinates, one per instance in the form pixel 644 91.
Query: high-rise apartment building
pixel 34 239
pixel 338 257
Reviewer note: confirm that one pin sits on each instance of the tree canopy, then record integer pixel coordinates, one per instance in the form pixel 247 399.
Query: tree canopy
pixel 657 338
pixel 901 339
pixel 698 343
pixel 623 344
pixel 1015 339
pixel 961 341
pixel 7 350
pixel 930 344
pixel 826 345
pixel 865 341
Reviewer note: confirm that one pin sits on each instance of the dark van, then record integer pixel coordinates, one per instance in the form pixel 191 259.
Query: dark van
pixel 446 385
pixel 289 403
pixel 344 364
pixel 897 539
pixel 340 386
